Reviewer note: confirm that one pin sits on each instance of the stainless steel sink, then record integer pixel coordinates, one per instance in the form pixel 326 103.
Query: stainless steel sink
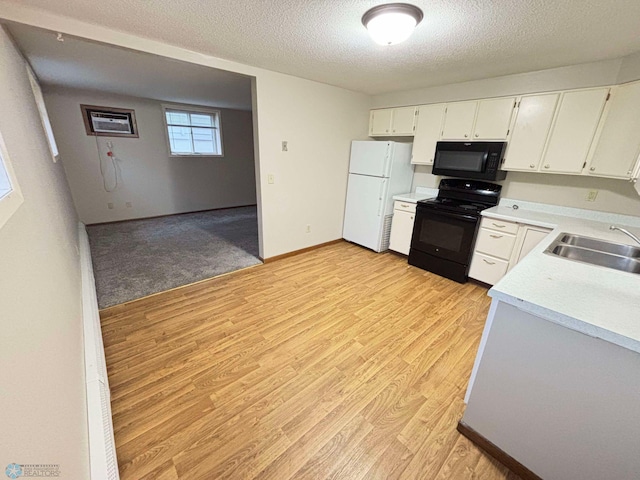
pixel 596 252
pixel 602 246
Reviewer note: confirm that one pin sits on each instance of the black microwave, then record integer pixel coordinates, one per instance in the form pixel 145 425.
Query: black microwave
pixel 475 160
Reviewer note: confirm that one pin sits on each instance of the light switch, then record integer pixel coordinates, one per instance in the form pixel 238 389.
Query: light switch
pixel 285 146
pixel 271 178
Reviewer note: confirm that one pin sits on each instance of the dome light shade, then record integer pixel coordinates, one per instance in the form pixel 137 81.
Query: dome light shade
pixel 391 23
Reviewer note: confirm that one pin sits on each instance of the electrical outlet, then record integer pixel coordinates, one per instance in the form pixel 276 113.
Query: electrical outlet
pixel 285 146
pixel 592 195
pixel 129 204
pixel 308 228
pixel 271 178
pixel 110 206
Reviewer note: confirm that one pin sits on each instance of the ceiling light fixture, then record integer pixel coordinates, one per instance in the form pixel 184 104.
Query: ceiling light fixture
pixel 391 23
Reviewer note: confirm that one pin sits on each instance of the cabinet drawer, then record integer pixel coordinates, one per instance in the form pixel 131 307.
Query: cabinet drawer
pixel 487 269
pixel 404 206
pixel 499 225
pixel 497 244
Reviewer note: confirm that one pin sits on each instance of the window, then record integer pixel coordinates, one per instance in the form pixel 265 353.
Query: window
pixel 193 132
pixel 44 116
pixel 10 195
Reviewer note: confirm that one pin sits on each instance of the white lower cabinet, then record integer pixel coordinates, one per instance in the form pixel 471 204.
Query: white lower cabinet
pixel 500 245
pixel 529 238
pixel 487 269
pixel 402 227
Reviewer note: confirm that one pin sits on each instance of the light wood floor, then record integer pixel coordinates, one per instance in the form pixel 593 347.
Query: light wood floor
pixel 337 363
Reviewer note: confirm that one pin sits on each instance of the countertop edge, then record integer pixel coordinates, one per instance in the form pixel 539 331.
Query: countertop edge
pixel 571 323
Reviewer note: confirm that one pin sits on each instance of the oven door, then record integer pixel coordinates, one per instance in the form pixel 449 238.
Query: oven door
pixel 444 234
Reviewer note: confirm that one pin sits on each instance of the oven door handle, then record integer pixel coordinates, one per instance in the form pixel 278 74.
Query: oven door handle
pixel 459 216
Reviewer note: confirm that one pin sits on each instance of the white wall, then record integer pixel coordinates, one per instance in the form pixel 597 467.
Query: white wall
pixel 152 181
pixel 42 404
pixel 318 121
pixel 614 195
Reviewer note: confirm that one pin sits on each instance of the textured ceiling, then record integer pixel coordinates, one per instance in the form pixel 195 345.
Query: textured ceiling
pixel 324 40
pixel 77 63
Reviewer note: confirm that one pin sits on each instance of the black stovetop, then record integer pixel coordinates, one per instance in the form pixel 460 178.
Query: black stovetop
pixel 464 196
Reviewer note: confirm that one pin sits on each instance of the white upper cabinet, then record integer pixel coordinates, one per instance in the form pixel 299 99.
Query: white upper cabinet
pixel 458 120
pixel 618 145
pixel 389 122
pixel 478 120
pixel 530 131
pixel 403 121
pixel 428 128
pixel 380 122
pixel 493 118
pixel 573 130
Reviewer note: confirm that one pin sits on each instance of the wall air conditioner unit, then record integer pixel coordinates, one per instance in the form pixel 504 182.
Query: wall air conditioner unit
pixel 109 121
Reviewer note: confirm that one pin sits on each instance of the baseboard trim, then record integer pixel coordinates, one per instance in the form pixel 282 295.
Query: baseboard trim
pixel 496 452
pixel 302 250
pixel 170 215
pixel 102 447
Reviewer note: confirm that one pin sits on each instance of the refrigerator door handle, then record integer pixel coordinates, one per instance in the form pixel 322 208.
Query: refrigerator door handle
pixel 387 162
pixel 380 193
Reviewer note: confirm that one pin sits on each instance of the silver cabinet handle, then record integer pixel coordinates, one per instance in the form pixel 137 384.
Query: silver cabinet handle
pixel 498 225
pixel 487 261
pixel 477 135
pixel 411 218
pixel 593 169
pixel 404 205
pixel 532 166
pixel 496 236
pixel 547 166
pixel 466 136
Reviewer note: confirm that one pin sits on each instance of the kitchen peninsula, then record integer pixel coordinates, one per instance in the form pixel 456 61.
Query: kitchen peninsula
pixel 555 387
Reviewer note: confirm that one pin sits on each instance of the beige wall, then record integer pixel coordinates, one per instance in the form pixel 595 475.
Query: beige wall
pixel 152 181
pixel 613 195
pixel 319 121
pixel 42 405
pixel 617 196
pixel 574 76
pixel 630 68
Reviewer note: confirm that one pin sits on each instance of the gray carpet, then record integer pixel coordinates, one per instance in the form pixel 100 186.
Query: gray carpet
pixel 137 258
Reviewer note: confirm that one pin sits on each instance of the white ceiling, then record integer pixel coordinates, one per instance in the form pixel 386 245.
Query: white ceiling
pixel 324 40
pixel 77 63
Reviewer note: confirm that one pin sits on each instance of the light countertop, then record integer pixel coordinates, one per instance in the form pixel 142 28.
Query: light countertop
pixel 597 301
pixel 420 194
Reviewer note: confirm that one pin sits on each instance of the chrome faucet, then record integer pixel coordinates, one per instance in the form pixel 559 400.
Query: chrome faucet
pixel 626 232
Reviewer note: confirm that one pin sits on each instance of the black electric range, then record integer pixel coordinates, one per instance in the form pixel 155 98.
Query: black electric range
pixel 445 227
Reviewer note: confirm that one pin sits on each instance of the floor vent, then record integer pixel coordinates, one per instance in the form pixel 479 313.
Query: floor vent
pixel 386 233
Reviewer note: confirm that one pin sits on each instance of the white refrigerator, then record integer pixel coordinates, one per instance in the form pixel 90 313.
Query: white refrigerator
pixel 377 171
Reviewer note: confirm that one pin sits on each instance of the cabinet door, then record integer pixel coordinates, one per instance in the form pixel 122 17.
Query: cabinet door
pixel 618 145
pixel 458 120
pixel 532 236
pixel 401 231
pixel 530 132
pixel 493 119
pixel 573 130
pixel 380 122
pixel 404 120
pixel 428 128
